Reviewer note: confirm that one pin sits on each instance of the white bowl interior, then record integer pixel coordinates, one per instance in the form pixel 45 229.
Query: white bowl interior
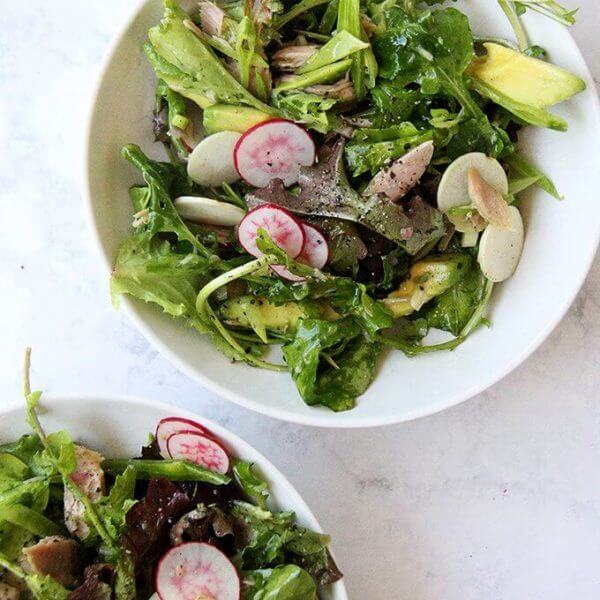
pixel 118 427
pixel 561 241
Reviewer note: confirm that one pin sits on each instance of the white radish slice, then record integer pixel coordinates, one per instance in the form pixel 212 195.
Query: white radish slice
pixel 316 250
pixel 454 186
pixel 194 447
pixel 281 226
pixel 275 149
pixel 403 174
pixel 211 162
pixel 208 211
pixel 500 249
pixel 285 273
pixel 171 425
pixel 196 571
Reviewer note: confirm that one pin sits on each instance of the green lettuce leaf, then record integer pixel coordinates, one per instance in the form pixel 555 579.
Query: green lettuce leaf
pixel 272 539
pixel 149 269
pixel 253 485
pixel 286 582
pixel 190 67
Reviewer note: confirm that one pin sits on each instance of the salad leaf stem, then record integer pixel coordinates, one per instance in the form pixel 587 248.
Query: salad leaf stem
pixel 549 8
pixel 32 399
pixel 477 316
pixel 206 312
pixel 296 11
pixel 515 23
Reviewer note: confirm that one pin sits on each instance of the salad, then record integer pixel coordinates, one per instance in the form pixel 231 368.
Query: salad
pixel 343 177
pixel 185 520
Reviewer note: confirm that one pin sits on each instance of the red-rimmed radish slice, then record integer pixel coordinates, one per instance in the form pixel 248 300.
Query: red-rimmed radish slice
pixel 275 149
pixel 202 450
pixel 196 571
pixel 316 250
pixel 284 273
pixel 170 425
pixel 281 226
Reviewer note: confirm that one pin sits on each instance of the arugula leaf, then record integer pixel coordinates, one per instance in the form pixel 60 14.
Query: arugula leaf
pixel 453 309
pixel 310 109
pixel 286 582
pixel 478 135
pixel 371 149
pixel 112 509
pixel 520 166
pixel 337 382
pixel 254 486
pixel 165 181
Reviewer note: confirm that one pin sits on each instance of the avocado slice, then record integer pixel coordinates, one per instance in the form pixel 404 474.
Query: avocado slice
pixel 227 117
pixel 260 314
pixel 428 278
pixel 524 79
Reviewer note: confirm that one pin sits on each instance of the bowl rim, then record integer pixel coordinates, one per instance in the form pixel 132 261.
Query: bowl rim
pixel 315 418
pixel 238 444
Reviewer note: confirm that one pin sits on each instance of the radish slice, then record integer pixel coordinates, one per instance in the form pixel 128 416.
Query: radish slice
pixel 211 162
pixel 500 249
pixel 281 226
pixel 316 250
pixel 208 211
pixel 275 149
pixel 171 425
pixel 194 447
pixel 196 571
pixel 454 186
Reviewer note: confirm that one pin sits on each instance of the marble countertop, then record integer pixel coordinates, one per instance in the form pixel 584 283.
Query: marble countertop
pixel 498 498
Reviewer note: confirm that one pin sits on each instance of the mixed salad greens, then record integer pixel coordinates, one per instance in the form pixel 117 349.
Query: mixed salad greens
pixel 186 520
pixel 343 176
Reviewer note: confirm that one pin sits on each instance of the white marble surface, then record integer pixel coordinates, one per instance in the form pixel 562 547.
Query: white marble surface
pixel 498 498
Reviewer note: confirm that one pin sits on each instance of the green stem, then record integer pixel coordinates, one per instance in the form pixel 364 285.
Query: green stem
pixel 206 312
pixel 516 24
pixel 68 483
pixel 300 8
pixel 15 569
pixel 477 315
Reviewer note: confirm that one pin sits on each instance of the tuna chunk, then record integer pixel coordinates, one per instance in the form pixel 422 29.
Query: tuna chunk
pixel 403 174
pixel 8 593
pixel 89 478
pixel 55 556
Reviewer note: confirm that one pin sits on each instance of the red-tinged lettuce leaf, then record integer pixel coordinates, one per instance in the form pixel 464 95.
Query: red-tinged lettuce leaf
pixel 149 521
pixel 326 192
pixel 98 584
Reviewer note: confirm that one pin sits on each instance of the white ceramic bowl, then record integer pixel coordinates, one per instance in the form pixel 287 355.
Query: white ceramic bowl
pixel 105 424
pixel 562 238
